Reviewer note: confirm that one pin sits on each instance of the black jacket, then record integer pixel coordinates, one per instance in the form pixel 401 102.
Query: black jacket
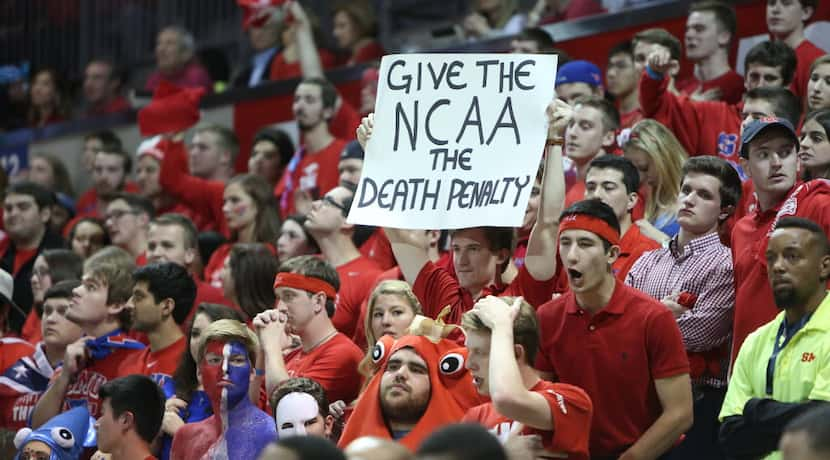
pixel 23 279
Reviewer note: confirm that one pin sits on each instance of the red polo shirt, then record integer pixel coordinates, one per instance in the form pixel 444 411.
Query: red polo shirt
pixel 754 303
pixel 570 412
pixel 614 355
pixel 162 364
pixel 632 245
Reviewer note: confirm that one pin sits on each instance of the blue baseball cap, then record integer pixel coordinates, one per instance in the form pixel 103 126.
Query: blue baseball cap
pixel 755 127
pixel 579 72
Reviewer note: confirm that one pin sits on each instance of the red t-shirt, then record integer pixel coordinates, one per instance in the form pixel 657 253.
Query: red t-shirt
pixel 570 411
pixel 332 364
pixel 161 365
pixel 378 249
pixel 192 75
pixel 344 123
pixel 205 293
pixel 316 173
pixel 22 257
pixel 575 193
pixel 702 127
pixel 754 303
pixel 213 269
pixel 730 84
pixel 633 341
pixel 632 245
pixel 805 53
pixel 369 52
pixel 575 9
pixel 357 279
pixel 84 389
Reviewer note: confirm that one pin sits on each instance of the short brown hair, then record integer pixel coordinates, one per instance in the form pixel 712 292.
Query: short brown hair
pixel 610 114
pixel 525 327
pixel 730 183
pixel 226 137
pixel 226 330
pixel 314 267
pixel 361 15
pixel 109 266
pixel 301 385
pixel 724 14
pixel 660 37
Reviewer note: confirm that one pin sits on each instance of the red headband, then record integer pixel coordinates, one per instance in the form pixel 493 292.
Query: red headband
pixel 305 283
pixel 590 224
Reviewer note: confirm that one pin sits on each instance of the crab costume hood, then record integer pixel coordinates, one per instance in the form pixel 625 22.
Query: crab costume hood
pixel 452 390
pixel 67 434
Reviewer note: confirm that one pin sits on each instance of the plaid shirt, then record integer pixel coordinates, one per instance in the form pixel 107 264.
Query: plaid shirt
pixel 703 268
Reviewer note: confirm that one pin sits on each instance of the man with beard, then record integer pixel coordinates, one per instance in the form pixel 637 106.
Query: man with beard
pixel 313 170
pixel 782 367
pixel 237 429
pixel 421 384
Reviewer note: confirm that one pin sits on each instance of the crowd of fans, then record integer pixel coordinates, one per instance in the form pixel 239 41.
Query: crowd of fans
pixel 665 296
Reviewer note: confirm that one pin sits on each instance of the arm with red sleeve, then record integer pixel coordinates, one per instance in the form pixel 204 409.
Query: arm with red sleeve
pixel 670 371
pixel 202 196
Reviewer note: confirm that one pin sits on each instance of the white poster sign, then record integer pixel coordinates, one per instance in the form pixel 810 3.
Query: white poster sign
pixel 457 140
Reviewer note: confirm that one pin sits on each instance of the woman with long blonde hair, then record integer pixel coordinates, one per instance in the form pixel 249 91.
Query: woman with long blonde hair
pixel 659 158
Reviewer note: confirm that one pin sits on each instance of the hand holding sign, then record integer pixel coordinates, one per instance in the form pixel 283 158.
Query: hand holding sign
pixel 455 141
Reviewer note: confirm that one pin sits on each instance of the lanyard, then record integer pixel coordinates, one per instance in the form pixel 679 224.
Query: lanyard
pixel 781 340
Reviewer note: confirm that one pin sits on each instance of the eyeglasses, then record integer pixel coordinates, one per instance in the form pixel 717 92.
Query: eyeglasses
pixel 330 201
pixel 118 213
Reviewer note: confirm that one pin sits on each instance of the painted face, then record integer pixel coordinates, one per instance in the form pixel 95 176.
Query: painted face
pixel 795 266
pixel 818 88
pixel 815 148
pixel 147 176
pixel 56 329
pixel 239 208
pixel 88 238
pixel 772 162
pixel 585 134
pixel 108 172
pixel 621 77
pixel 298 414
pixel 570 92
pixel 475 263
pixel 478 359
pixel 41 278
pixel 786 16
pixel 607 185
pixel 225 371
pixel 699 203
pixel 123 223
pixel 200 322
pixel 644 164
pixel 165 243
pixel 89 302
pixel 391 315
pixel 22 217
pixel 405 387
pixel 763 76
pixel 293 240
pixel 702 35
pixel 205 154
pixel 265 161
pixel 585 259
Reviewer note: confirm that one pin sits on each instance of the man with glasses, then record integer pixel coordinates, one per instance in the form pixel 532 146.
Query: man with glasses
pixel 326 223
pixel 127 219
pixel 27 209
pixel 769 157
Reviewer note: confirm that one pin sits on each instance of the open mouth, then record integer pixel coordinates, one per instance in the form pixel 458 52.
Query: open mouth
pixel 575 275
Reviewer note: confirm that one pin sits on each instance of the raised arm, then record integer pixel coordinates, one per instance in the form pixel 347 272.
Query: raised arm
pixel 540 259
pixel 309 58
pixel 270 327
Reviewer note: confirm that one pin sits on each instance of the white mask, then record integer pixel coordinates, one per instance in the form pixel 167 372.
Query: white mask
pixel 293 410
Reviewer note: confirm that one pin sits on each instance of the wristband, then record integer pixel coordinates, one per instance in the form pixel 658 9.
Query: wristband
pixel 259 372
pixel 555 141
pixel 653 74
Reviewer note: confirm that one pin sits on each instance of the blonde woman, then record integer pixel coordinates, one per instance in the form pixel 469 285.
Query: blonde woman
pixel 659 158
